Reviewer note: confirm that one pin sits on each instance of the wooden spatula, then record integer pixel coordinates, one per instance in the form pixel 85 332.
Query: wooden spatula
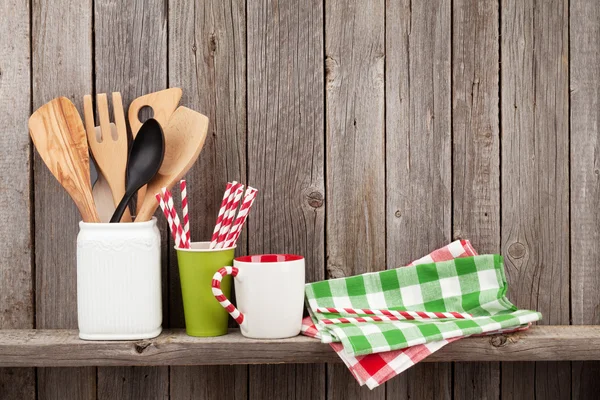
pixel 184 137
pixel 163 104
pixel 58 134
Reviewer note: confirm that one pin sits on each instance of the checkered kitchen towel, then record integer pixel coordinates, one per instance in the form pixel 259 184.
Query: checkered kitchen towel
pixel 475 285
pixel 375 369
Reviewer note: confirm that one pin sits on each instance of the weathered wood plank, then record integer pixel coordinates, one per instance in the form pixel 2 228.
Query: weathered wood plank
pixel 63 348
pixel 423 381
pixel 221 382
pixel 477 381
pixel 286 158
pixel 207 58
pixel 535 168
pixel 418 152
pixel 584 37
pixel 133 383
pixel 62 66
pixel 131 58
pixel 16 275
pixel 476 154
pixel 355 159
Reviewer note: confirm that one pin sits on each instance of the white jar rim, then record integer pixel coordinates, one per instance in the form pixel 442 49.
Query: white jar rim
pixel 120 226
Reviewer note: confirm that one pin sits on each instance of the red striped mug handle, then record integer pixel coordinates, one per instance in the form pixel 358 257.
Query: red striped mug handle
pixel 218 293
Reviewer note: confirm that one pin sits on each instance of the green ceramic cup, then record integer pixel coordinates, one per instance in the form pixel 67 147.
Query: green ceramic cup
pixel 204 316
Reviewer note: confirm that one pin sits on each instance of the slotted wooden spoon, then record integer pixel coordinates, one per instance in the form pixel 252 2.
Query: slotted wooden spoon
pixel 163 104
pixel 184 137
pixel 59 137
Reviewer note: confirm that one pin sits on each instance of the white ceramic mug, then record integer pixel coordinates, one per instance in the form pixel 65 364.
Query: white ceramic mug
pixel 269 289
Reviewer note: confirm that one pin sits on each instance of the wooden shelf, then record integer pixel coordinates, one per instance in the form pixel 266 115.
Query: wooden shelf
pixel 63 348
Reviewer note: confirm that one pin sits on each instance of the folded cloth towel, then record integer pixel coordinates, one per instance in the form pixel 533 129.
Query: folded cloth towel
pixel 474 285
pixel 375 369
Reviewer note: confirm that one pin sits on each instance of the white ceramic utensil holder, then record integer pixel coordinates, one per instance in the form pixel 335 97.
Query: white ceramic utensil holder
pixel 119 281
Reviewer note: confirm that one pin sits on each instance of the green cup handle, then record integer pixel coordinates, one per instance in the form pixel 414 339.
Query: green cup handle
pixel 221 298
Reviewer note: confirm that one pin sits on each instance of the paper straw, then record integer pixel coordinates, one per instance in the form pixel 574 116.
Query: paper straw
pixel 177 224
pixel 167 214
pixel 236 229
pixel 396 314
pixel 184 211
pixel 224 202
pixel 229 215
pixel 237 235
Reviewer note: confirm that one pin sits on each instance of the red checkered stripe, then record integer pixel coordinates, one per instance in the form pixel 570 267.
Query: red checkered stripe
pixel 387 315
pixel 218 293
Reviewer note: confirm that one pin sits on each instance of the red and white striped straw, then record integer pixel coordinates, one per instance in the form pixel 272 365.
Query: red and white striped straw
pixel 176 223
pixel 238 225
pixel 229 215
pixel 184 210
pixel 224 202
pixel 167 213
pixel 407 315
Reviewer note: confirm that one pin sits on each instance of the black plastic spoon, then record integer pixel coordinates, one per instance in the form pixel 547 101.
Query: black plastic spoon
pixel 145 159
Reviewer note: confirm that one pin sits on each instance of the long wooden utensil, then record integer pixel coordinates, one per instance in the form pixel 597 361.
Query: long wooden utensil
pixel 58 134
pixel 184 137
pixel 163 104
pixel 110 148
pixel 101 191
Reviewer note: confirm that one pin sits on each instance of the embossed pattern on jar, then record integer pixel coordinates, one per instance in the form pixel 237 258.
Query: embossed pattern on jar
pixel 119 295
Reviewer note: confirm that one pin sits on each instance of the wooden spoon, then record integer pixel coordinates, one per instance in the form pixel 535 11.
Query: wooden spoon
pixel 58 134
pixel 184 137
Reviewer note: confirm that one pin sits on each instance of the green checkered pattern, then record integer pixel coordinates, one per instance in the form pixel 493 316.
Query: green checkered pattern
pixel 475 285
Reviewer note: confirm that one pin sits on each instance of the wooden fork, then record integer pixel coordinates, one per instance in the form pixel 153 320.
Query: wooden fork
pixel 110 152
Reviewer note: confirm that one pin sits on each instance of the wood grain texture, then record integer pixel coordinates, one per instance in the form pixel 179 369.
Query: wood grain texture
pixel 131 58
pixel 61 66
pixel 418 152
pixel 476 154
pixel 423 381
pixel 220 382
pixel 108 145
pixel 286 158
pixel 163 103
pixel 16 276
pixel 60 140
pixel 535 166
pixel 584 37
pixel 207 59
pixel 185 135
pixel 63 348
pixel 477 381
pixel 355 155
pixel 134 383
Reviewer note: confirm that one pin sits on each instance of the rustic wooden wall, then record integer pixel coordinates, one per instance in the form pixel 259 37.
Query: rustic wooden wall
pixel 375 130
